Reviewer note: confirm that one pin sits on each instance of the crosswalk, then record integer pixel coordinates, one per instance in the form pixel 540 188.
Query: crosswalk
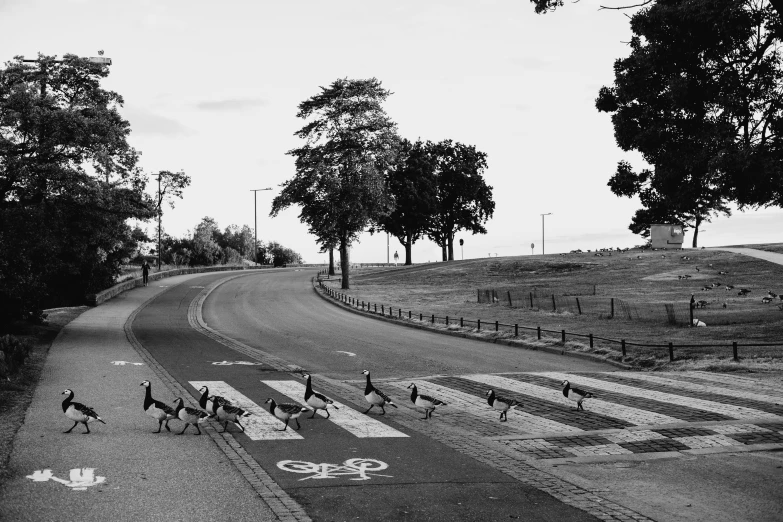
pixel 632 412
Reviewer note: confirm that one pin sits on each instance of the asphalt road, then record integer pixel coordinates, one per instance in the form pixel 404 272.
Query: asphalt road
pixel 407 475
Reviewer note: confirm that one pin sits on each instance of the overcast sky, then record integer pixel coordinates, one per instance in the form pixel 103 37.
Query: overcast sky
pixel 212 88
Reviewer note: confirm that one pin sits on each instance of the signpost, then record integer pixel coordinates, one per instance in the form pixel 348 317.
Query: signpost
pixel 532 247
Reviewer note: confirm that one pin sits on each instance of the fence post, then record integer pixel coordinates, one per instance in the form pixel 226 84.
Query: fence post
pixel 461 323
pixel 539 332
pixel 447 320
pixel 421 317
pixel 563 335
pixel 531 299
pixel 375 306
pixel 554 306
pixel 478 295
pixel 399 315
pixel 671 352
pixel 691 312
pixel 478 325
pixel 734 347
pixel 591 340
pixel 622 346
pixel 516 329
pixel 593 289
pixel 409 314
pixel 382 311
pixel 509 298
pixel 612 315
pixel 433 318
pixel 578 306
pixel 496 326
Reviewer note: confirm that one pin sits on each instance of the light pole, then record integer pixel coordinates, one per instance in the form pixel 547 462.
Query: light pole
pixel 542 232
pixel 255 222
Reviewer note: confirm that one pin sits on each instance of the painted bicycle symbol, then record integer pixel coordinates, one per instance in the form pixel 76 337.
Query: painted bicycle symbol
pixel 360 467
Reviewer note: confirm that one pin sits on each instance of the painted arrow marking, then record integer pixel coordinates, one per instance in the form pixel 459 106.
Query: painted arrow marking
pixel 261 425
pixel 123 363
pixel 349 354
pixel 346 417
pixel 80 478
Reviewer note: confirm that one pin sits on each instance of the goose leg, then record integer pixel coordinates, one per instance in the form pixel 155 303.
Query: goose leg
pixel 160 425
pixel 327 413
pixel 167 425
pixel 579 406
pixel 183 429
pixel 88 429
pixel 297 424
pixel 225 427
pixel 285 427
pixel 197 429
pixel 383 410
pixel 72 427
pixel 240 426
pixel 313 415
pixel 368 409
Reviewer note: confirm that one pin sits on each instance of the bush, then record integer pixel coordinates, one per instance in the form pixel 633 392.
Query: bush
pixel 13 353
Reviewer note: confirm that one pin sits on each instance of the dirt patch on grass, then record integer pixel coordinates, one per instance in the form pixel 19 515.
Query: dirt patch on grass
pixel 16 394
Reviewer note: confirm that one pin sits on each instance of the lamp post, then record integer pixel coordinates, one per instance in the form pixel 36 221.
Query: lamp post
pixel 542 232
pixel 255 222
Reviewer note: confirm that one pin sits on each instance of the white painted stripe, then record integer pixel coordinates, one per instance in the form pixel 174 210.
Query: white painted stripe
pixel 346 417
pixel 460 404
pixel 261 425
pixel 737 412
pixel 739 381
pixel 629 414
pixel 705 388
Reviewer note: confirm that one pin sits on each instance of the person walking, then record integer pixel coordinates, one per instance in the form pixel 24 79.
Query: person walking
pixel 145 272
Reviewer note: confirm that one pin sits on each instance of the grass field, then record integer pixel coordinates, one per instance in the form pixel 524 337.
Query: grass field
pixel 645 278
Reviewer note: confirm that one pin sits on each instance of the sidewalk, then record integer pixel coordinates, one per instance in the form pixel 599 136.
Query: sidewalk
pixel 146 475
pixel 772 257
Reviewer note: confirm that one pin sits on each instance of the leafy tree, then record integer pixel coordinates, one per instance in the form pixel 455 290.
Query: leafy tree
pixel 463 200
pixel 412 184
pixel 282 255
pixel 206 250
pixel 170 186
pixel 68 183
pixel 679 101
pixel 339 181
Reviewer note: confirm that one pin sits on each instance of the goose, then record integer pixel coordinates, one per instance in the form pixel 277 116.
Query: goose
pixel 424 401
pixel 78 412
pixel 189 415
pixel 721 272
pixel 501 404
pixel 743 292
pixel 375 396
pixel 157 410
pixel 716 285
pixel 576 395
pixel 766 300
pixel 729 287
pixel 697 268
pixel 226 412
pixel 205 401
pixel 771 294
pixel 316 400
pixel 286 412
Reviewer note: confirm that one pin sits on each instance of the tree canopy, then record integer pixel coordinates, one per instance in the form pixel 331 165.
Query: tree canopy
pixel 340 171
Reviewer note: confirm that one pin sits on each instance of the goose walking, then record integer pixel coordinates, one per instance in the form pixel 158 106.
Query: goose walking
pixel 375 396
pixel 426 402
pixel 286 412
pixel 316 400
pixel 189 415
pixel 576 395
pixel 226 412
pixel 159 411
pixel 501 404
pixel 78 412
pixel 205 401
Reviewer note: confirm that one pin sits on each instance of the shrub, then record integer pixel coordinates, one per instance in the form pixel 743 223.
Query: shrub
pixel 14 352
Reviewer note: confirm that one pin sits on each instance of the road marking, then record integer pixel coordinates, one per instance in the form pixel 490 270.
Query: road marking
pixel 230 363
pixel 359 467
pixel 737 412
pixel 730 380
pixel 461 403
pixel 608 409
pixel 349 354
pixel 346 417
pixel 80 478
pixel 123 363
pixel 261 425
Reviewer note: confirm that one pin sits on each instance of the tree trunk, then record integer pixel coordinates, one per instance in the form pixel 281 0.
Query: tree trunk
pixel 408 247
pixel 344 263
pixel 696 232
pixel 331 262
pixel 450 240
pixel 444 254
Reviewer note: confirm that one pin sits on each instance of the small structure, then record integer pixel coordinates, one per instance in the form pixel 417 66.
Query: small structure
pixel 666 236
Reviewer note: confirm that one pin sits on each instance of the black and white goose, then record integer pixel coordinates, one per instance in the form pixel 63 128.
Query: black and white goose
pixel 501 404
pixel 205 401
pixel 226 413
pixel 576 395
pixel 425 402
pixel 160 411
pixel 189 415
pixel 316 400
pixel 78 412
pixel 286 412
pixel 375 396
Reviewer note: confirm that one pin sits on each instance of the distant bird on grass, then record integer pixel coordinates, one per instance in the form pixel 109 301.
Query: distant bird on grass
pixel 501 404
pixel 375 396
pixel 78 413
pixel 160 411
pixel 576 395
pixel 286 412
pixel 189 415
pixel 426 402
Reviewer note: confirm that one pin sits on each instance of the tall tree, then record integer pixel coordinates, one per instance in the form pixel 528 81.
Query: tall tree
pixel 170 186
pixel 463 199
pixel 677 100
pixel 339 183
pixel 412 184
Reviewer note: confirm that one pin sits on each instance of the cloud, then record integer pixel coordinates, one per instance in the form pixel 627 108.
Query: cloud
pixel 231 104
pixel 148 123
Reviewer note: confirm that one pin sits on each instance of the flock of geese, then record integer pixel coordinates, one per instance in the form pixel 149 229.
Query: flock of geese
pixel 220 409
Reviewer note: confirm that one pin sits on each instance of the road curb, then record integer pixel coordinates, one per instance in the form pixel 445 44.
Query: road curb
pixel 465 335
pixel 279 502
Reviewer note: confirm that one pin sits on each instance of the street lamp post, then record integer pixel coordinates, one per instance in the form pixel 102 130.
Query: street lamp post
pixel 542 232
pixel 255 222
